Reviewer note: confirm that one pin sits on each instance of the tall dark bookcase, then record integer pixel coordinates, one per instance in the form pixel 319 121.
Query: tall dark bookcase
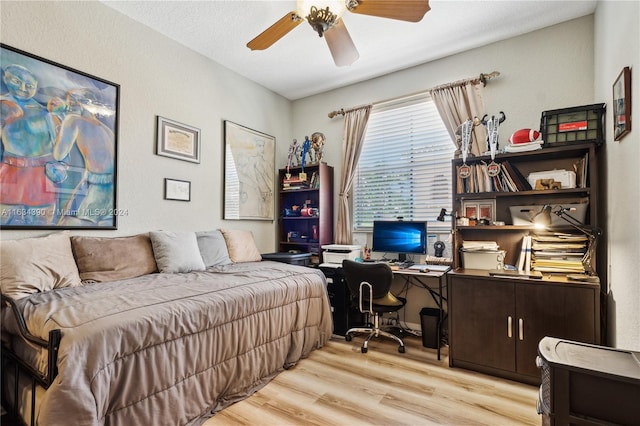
pixel 496 322
pixel 306 233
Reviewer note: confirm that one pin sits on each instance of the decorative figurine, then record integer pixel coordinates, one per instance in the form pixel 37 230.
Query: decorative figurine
pixel 305 150
pixel 291 157
pixel 317 142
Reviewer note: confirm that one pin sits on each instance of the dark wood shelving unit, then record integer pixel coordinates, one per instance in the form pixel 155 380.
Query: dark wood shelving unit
pixel 553 158
pixel 295 233
pixel 495 323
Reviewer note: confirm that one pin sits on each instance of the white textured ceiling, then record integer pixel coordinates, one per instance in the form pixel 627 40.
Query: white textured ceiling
pixel 301 65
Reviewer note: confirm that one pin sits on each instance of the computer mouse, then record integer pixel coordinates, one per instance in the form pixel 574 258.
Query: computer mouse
pixel 424 269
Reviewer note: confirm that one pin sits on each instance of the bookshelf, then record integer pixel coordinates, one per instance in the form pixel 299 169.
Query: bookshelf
pixel 495 322
pixel 579 157
pixel 305 221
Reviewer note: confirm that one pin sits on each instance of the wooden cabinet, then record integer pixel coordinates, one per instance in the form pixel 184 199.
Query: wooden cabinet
pixel 306 230
pixel 495 324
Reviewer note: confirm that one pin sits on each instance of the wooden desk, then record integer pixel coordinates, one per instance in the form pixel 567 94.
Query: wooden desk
pixel 415 277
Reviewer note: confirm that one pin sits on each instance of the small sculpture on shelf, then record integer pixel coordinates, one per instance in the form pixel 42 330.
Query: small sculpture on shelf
pixel 317 142
pixel 305 150
pixel 291 157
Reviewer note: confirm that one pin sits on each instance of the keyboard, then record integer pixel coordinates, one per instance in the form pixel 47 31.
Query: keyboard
pixel 429 267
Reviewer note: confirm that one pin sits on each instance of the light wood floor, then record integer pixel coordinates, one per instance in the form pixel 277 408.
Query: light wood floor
pixel 338 385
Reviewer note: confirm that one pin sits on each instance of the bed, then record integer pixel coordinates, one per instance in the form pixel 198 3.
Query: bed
pixel 167 348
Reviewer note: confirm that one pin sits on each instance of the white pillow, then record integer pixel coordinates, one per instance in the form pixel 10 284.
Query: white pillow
pixel 241 246
pixel 36 265
pixel 176 251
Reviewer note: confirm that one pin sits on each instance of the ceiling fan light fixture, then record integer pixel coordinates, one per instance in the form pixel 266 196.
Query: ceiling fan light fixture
pixel 321 14
pixel 321 19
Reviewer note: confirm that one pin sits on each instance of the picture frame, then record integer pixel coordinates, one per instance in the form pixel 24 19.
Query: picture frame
pixel 470 210
pixel 177 140
pixel 479 209
pixel 70 120
pixel 177 190
pixel 622 104
pixel 249 173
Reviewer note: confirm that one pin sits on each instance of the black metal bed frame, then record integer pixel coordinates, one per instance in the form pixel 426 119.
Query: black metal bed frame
pixel 37 378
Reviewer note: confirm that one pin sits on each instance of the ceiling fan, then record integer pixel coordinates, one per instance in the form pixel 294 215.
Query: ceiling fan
pixel 325 18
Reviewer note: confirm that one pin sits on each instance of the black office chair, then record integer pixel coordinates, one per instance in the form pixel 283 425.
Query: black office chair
pixel 369 285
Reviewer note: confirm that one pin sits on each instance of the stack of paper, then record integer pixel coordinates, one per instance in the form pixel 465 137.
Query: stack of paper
pixel 562 253
pixel 480 246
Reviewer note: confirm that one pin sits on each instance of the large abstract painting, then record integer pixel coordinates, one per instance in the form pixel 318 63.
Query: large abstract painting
pixel 59 130
pixel 248 173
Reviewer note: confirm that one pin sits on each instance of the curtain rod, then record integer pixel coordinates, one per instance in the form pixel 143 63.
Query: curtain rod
pixel 482 78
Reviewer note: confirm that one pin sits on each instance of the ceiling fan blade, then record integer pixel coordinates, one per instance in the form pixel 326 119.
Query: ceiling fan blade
pixel 403 10
pixel 275 32
pixel 342 49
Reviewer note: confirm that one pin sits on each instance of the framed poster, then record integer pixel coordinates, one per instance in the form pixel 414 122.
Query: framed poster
pixel 177 140
pixel 179 190
pixel 622 104
pixel 249 175
pixel 59 146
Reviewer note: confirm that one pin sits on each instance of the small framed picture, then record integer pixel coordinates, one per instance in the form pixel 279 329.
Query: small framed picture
pixel 622 104
pixel 487 210
pixel 175 189
pixel 480 209
pixel 470 210
pixel 177 140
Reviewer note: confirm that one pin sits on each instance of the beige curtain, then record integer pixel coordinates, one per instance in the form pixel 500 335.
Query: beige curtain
pixel 458 102
pixel 355 125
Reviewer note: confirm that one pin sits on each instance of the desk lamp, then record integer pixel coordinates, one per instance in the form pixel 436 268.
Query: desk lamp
pixel 443 213
pixel 542 220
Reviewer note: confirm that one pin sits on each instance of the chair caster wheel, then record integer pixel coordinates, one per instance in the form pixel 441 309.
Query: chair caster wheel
pixel 364 350
pixel 401 349
pixel 348 337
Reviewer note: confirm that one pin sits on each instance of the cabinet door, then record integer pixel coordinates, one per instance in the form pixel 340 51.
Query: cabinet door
pixel 557 311
pixel 481 312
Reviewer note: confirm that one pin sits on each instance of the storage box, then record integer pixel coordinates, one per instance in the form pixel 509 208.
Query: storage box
pixel 573 125
pixel 336 253
pixel 483 259
pixel 566 178
pixel 523 215
pixel 301 259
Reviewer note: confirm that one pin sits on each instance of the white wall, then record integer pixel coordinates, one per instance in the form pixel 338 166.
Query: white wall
pixel 617 44
pixel 546 69
pixel 157 76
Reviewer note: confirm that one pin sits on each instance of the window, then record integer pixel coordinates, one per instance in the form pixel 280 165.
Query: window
pixel 405 165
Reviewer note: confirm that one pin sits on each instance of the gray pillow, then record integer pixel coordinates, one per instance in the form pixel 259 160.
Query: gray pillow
pixel 176 251
pixel 213 248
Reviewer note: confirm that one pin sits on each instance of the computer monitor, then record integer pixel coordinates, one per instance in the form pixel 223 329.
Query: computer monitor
pixel 400 237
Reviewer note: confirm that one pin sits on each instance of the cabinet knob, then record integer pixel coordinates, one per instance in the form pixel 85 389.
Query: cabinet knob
pixel 509 327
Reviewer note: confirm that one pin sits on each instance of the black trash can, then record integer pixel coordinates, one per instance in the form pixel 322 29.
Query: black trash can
pixel 429 319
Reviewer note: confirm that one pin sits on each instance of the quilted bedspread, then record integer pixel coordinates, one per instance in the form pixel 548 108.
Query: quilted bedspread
pixel 175 348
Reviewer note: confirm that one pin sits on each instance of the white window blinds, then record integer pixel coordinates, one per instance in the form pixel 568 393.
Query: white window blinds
pixel 404 168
